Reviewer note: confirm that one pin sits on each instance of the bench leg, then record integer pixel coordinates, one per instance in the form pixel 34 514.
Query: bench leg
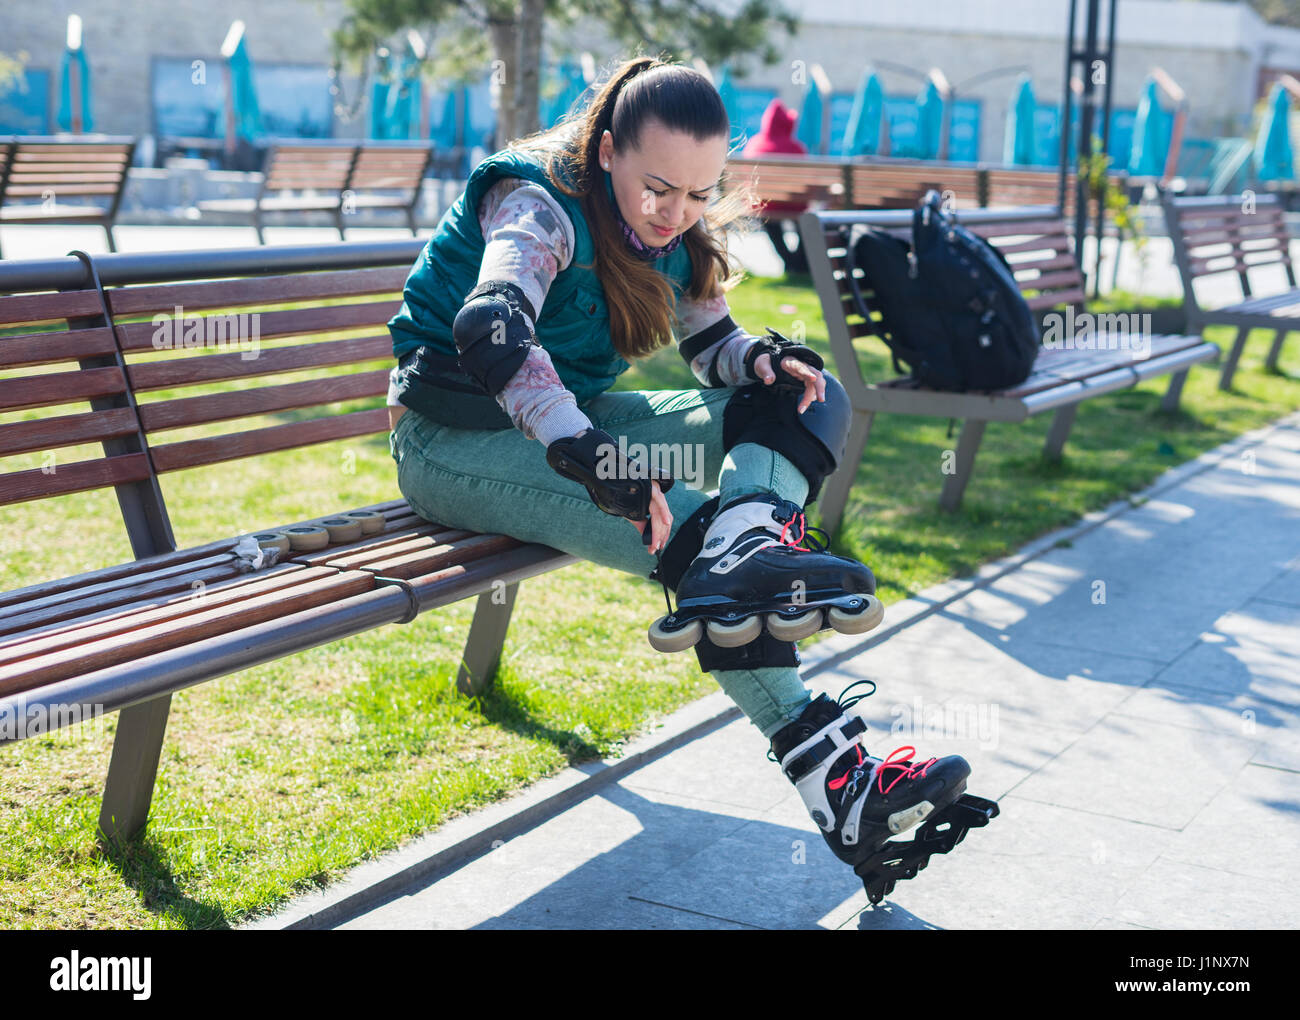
pixel 487 636
pixel 968 444
pixel 835 490
pixel 257 226
pixel 1062 422
pixel 1234 355
pixel 410 221
pixel 133 768
pixel 1275 351
pixel 108 229
pixel 1175 392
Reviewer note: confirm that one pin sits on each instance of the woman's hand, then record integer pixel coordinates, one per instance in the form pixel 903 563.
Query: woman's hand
pixel 661 520
pixel 814 381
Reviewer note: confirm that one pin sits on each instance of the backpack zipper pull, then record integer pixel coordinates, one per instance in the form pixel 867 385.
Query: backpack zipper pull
pixel 912 268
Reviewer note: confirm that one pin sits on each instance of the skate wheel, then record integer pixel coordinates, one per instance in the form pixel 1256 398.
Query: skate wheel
pixel 860 622
pixel 733 635
pixel 674 639
pixel 794 628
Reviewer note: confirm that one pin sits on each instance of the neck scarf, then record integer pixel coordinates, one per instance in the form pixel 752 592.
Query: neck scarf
pixel 634 243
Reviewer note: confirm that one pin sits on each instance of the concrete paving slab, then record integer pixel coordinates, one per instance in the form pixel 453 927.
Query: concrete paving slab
pixel 580 864
pixel 1034 866
pixel 1250 828
pixel 1140 770
pixel 1284 588
pixel 730 770
pixel 1253 650
pixel 1175 895
pixel 1230 713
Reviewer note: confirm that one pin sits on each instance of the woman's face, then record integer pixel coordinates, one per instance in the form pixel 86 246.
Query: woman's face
pixel 666 182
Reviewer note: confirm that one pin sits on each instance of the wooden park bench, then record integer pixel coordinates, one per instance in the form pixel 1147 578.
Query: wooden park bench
pixel 1236 234
pixel 337 178
pixel 38 175
pixel 119 405
pixel 1036 243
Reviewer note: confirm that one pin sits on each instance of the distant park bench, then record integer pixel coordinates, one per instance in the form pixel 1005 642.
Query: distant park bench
pixel 1035 240
pixel 339 178
pixel 883 182
pixel 38 174
pixel 79 343
pixel 1243 235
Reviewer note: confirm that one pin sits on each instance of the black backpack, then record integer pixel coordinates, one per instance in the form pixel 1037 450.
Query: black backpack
pixel 949 305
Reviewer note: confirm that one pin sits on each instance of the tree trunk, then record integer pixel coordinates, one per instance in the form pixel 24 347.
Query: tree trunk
pixel 528 61
pixel 504 34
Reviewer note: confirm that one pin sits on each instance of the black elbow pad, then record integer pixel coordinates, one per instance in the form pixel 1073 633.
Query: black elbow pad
pixel 493 332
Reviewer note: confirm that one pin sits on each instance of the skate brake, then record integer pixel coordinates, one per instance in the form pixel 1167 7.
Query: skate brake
pixel 898 860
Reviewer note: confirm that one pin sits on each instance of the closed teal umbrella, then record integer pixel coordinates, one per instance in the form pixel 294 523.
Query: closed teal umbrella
pixel 402 103
pixel 1018 142
pixel 1151 131
pixel 1273 161
pixel 74 63
pixel 862 136
pixel 929 106
pixel 446 133
pixel 379 96
pixel 243 92
pixel 809 130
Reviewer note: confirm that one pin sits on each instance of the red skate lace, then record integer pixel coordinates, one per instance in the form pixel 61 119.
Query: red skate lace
pixel 803 533
pixel 910 770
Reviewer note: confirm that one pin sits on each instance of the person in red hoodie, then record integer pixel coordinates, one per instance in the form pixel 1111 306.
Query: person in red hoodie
pixel 777 137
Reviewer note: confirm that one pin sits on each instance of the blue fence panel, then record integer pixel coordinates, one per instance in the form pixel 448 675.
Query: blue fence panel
pixel 751 103
pixel 295 100
pixel 1047 134
pixel 189 98
pixel 904 125
pixel 964 131
pixel 25 108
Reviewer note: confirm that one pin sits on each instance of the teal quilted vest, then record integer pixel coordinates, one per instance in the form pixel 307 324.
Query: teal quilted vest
pixel 572 324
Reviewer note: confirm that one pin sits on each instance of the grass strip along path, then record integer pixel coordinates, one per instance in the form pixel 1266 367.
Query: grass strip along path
pixel 280 778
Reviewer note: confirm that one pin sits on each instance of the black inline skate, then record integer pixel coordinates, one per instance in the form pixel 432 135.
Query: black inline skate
pixel 751 570
pixel 859 802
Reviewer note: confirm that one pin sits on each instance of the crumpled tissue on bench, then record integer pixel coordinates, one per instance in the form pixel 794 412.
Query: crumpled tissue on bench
pixel 250 556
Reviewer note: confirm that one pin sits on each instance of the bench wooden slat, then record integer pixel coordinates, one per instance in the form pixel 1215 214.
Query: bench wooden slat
pixel 139 336
pixel 174 607
pixel 49 348
pixel 171 373
pixel 93 655
pixel 373 547
pixel 65 430
pixel 128 592
pixel 237 445
pixel 255 290
pixel 437 557
pixel 21 486
pixel 21 309
pixel 18 394
pixel 170 414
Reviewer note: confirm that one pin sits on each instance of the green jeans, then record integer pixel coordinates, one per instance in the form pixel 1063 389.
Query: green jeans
pixel 498 482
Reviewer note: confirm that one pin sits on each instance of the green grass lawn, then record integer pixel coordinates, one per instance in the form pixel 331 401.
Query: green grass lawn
pixel 280 778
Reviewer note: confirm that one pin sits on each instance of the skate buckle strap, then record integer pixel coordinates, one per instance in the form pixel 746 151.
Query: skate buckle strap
pixel 828 746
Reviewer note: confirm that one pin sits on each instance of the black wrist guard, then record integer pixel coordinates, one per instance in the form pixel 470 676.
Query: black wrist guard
pixel 780 348
pixel 617 484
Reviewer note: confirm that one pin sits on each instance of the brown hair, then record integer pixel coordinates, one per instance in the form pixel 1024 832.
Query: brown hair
pixel 639 297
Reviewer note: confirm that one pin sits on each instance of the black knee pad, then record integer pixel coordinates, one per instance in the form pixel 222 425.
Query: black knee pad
pixel 764 650
pixel 676 556
pixel 769 416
